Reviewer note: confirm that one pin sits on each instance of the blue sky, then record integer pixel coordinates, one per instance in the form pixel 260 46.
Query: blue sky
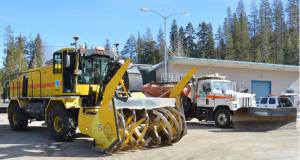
pixel 96 20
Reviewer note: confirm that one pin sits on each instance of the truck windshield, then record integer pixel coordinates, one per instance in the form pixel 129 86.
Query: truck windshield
pixel 219 86
pixel 93 69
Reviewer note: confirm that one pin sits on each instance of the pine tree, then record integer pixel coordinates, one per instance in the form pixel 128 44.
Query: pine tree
pixel 182 44
pixel 221 43
pixel 288 52
pixel 140 50
pixel 161 44
pixel 292 9
pixel 20 55
pixel 254 37
pixel 9 59
pixel 244 41
pixel 10 52
pixel 229 19
pixel 37 57
pixel 278 20
pixel 240 10
pixel 236 37
pixel 129 51
pixel 266 32
pixel 190 37
pixel 229 52
pixel 202 35
pixel 266 11
pixel 29 48
pixel 174 37
pixel 264 39
pixel 151 51
pixel 107 45
pixel 211 43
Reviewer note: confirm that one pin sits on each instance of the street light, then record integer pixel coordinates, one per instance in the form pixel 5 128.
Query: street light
pixel 165 18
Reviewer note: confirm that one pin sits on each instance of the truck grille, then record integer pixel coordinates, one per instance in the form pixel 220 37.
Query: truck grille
pixel 245 101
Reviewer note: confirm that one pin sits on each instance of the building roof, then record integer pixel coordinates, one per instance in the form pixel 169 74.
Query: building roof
pixel 227 63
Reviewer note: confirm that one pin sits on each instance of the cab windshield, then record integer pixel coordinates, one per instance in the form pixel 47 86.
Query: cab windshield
pixel 93 69
pixel 219 86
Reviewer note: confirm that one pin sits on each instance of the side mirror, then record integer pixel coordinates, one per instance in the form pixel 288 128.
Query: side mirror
pixel 67 60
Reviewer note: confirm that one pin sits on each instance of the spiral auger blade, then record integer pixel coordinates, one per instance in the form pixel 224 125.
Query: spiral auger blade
pixel 176 130
pixel 162 126
pixel 130 118
pixel 140 130
pixel 180 119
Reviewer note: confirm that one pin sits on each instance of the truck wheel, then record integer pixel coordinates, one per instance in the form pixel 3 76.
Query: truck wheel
pixel 17 118
pixel 223 118
pixel 62 124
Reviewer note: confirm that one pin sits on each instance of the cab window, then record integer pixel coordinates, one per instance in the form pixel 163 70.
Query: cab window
pixel 272 101
pixel 57 63
pixel 258 100
pixel 206 87
pixel 264 101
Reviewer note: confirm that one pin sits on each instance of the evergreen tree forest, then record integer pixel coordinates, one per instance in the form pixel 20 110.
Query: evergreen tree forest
pixel 20 54
pixel 268 34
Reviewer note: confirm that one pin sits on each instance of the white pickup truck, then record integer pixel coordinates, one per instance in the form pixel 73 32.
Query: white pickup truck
pixel 212 98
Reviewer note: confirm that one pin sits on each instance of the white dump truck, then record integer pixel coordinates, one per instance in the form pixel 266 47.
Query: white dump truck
pixel 212 98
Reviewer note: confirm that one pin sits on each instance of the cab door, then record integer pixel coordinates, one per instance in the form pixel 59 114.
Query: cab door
pixel 57 73
pixel 204 95
pixel 68 72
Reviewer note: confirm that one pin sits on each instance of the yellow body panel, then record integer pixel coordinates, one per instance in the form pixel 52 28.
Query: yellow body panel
pixel 83 89
pixel 50 85
pixel 57 87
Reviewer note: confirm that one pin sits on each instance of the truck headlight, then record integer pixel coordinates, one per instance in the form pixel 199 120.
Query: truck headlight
pixel 235 97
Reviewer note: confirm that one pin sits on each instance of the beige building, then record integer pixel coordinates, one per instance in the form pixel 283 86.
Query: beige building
pixel 260 78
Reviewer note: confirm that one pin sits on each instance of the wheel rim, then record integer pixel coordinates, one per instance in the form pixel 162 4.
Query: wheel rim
pixel 222 119
pixel 15 118
pixel 58 125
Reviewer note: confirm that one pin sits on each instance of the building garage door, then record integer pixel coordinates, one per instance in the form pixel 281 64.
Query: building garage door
pixel 261 88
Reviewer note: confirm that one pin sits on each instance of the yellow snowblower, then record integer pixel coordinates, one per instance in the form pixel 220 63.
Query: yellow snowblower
pixel 89 89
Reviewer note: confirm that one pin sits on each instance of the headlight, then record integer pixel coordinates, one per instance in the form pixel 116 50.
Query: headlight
pixel 235 97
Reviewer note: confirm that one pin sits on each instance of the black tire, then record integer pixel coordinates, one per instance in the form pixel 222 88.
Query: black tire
pixel 61 124
pixel 223 118
pixel 17 118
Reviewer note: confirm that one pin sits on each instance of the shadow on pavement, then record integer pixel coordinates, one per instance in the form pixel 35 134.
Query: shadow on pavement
pixel 207 126
pixel 201 125
pixel 37 142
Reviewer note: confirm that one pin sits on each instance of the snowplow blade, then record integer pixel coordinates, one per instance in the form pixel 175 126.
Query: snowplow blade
pixel 264 119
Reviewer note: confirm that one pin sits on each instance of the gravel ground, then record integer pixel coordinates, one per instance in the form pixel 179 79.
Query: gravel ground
pixel 203 141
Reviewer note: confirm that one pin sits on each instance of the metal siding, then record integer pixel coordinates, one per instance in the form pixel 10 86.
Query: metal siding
pixel 261 88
